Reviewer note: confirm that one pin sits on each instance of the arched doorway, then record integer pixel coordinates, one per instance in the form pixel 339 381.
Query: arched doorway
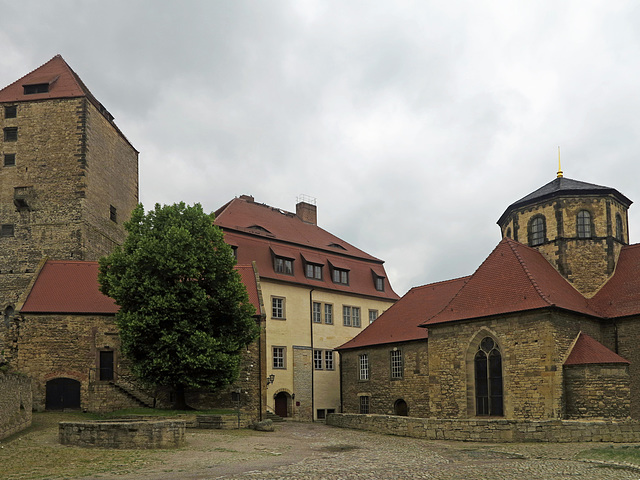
pixel 282 404
pixel 62 393
pixel 400 408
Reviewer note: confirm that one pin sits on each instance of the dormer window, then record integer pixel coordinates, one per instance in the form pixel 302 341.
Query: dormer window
pixel 341 276
pixel 313 271
pixel 379 282
pixel 283 265
pixel 336 245
pixel 36 88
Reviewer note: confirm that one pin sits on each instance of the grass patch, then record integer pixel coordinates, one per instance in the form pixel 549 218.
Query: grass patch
pixel 623 453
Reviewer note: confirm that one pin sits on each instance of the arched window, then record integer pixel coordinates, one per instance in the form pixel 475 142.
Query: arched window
pixel 619 234
pixel 537 230
pixel 584 224
pixel 488 378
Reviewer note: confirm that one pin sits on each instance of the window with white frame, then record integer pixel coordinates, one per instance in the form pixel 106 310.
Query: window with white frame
pixel 364 404
pixel 313 271
pixel 341 276
pixel 328 314
pixel 397 368
pixel 277 308
pixel 317 312
pixel 364 366
pixel 283 265
pixel 328 360
pixel 317 359
pixel 373 315
pixel 279 357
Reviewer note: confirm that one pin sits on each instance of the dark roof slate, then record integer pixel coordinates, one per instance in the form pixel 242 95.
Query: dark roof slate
pixel 564 186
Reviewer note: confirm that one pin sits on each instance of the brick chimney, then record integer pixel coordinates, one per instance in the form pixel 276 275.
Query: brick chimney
pixel 306 209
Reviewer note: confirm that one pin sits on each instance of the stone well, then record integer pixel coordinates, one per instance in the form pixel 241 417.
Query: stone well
pixel 124 433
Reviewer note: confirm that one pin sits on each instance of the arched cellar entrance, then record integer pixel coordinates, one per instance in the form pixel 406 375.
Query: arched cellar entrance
pixel 62 393
pixel 400 408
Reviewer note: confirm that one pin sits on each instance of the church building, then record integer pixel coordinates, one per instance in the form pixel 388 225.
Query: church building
pixel 546 328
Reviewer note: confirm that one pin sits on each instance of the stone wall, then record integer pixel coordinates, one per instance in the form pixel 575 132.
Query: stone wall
pixel 627 333
pixel 15 403
pixel 384 391
pixel 533 346
pixel 137 434
pixel 495 431
pixel 597 391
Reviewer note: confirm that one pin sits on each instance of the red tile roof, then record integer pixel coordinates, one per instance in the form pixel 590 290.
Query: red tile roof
pixel 68 287
pixel 285 234
pixel 513 278
pixel 248 276
pixel 400 323
pixel 620 296
pixel 589 351
pixel 72 287
pixel 63 83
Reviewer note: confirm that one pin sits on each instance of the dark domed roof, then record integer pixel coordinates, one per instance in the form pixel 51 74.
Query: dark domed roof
pixel 564 186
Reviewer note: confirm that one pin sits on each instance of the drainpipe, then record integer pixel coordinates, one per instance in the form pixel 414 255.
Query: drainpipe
pixel 313 404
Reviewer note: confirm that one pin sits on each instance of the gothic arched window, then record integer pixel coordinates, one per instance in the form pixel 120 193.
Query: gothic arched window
pixel 488 376
pixel 537 230
pixel 619 234
pixel 583 226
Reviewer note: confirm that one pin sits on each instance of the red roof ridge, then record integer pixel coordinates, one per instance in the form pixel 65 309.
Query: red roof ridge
pixel 512 244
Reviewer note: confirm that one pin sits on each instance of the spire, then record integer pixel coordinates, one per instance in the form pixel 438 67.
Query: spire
pixel 560 175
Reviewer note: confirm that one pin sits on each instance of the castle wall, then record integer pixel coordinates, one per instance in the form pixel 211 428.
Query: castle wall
pixel 383 390
pixel 15 403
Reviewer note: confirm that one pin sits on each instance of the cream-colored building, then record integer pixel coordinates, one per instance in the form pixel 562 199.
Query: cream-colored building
pixel 319 292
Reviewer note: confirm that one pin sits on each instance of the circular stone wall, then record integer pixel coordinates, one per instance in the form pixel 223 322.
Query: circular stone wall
pixel 124 433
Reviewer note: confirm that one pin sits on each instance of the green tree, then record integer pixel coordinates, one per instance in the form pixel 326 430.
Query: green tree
pixel 185 315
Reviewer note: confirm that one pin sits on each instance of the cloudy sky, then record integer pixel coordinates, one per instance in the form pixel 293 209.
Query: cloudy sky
pixel 413 123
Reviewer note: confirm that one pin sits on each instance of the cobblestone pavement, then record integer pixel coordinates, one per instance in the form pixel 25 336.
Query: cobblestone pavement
pixel 316 451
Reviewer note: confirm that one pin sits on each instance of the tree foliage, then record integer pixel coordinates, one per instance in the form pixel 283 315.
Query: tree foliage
pixel 185 315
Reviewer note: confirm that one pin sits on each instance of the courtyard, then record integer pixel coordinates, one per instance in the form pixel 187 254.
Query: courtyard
pixel 308 451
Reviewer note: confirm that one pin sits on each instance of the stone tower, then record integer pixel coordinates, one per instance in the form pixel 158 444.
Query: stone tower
pixel 579 227
pixel 69 177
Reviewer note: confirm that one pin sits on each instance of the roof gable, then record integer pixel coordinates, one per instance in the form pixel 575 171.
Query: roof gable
pixel 513 278
pixel 401 322
pixel 587 351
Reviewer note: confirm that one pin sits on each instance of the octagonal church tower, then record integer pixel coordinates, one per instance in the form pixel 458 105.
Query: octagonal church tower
pixel 579 227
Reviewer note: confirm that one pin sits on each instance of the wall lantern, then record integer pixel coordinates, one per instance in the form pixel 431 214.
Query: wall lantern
pixel 270 379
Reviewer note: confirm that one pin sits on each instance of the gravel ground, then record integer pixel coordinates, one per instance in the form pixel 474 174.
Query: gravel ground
pixel 316 451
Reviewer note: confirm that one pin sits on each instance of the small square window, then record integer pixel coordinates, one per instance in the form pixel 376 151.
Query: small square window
pixel 373 315
pixel 6 230
pixel 113 213
pixel 11 134
pixel 279 358
pixel 321 414
pixel 11 111
pixel 9 159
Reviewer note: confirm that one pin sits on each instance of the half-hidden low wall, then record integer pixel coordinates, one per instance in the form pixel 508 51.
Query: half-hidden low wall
pixel 492 430
pixel 15 403
pixel 125 433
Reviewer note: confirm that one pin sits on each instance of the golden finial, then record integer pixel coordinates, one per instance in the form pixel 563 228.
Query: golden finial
pixel 559 165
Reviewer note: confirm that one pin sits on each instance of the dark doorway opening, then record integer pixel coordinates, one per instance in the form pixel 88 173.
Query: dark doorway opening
pixel 62 393
pixel 106 365
pixel 282 404
pixel 400 408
